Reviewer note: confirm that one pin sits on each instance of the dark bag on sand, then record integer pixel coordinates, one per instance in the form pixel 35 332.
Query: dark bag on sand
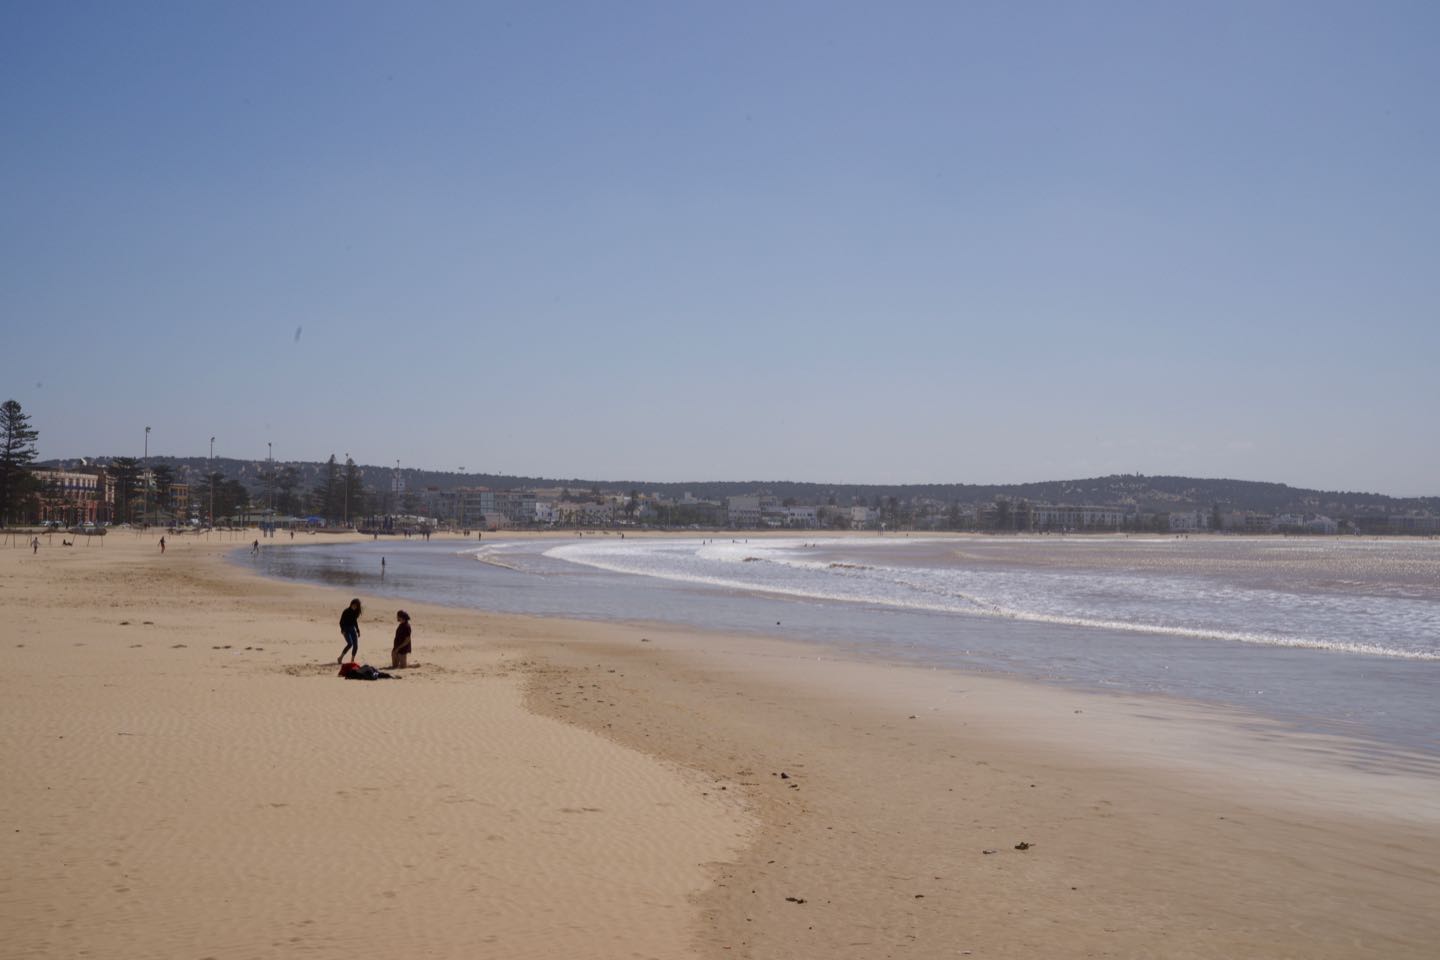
pixel 367 672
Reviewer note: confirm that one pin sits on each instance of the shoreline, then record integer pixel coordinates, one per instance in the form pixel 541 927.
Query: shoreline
pixel 1300 686
pixel 1155 829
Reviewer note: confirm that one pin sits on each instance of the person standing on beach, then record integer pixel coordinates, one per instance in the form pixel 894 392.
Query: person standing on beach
pixel 254 548
pixel 350 630
pixel 34 545
pixel 162 545
pixel 400 652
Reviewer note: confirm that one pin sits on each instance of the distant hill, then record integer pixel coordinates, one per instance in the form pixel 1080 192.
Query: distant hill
pixel 1150 494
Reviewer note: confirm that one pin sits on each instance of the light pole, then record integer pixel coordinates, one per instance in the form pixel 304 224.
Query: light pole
pixel 211 466
pixel 270 455
pixel 347 489
pixel 145 483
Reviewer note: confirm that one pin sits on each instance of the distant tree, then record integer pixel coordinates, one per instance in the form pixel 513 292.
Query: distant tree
pixel 126 471
pixel 1002 513
pixel 17 452
pixel 164 479
pixel 632 503
pixel 52 500
pixel 287 501
pixel 327 499
pixel 231 498
pixel 353 505
pixel 1216 522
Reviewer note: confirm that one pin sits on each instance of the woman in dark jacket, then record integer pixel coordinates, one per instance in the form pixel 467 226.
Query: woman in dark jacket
pixel 350 630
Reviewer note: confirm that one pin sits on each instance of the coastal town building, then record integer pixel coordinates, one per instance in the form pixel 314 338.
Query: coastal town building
pixel 743 512
pixel 69 497
pixel 1189 521
pixel 801 515
pixel 1304 523
pixel 482 507
pixel 1063 517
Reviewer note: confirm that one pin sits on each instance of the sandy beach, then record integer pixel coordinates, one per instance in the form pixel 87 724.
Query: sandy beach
pixel 185 776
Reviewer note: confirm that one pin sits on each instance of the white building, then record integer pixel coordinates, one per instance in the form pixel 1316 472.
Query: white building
pixel 1188 521
pixel 801 516
pixel 743 511
pixel 1048 517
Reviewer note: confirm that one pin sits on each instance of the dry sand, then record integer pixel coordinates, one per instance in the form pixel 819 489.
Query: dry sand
pixel 185 777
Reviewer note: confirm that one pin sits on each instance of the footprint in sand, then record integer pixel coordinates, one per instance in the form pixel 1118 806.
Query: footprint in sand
pixel 178 646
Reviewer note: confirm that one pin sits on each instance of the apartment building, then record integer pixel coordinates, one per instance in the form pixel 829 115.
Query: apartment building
pixel 70 497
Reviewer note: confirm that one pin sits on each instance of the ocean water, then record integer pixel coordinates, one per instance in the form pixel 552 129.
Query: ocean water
pixel 1334 635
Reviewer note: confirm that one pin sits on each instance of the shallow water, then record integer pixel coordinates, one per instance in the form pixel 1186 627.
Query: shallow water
pixel 1332 635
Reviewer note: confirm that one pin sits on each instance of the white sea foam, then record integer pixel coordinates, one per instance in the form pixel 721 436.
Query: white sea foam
pixel 1226 609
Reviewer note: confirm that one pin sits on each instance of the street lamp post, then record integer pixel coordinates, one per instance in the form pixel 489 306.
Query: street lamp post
pixel 270 455
pixel 145 483
pixel 211 470
pixel 347 489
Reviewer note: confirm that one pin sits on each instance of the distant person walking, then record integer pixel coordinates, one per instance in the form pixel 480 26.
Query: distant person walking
pixel 350 630
pixel 34 545
pixel 255 548
pixel 162 545
pixel 400 652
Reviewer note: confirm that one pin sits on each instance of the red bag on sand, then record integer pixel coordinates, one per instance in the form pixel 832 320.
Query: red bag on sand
pixel 348 668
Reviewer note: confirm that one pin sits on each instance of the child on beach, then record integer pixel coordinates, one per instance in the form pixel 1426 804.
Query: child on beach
pixel 400 653
pixel 350 630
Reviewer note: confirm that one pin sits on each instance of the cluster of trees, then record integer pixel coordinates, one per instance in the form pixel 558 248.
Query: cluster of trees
pixel 340 493
pixel 339 496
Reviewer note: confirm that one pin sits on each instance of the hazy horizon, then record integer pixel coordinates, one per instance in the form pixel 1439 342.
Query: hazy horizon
pixel 631 479
pixel 900 244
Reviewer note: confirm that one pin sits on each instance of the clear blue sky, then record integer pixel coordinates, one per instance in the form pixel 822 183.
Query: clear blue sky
pixel 900 242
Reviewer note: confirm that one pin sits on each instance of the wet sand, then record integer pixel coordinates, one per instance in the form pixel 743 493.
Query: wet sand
pixel 185 776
